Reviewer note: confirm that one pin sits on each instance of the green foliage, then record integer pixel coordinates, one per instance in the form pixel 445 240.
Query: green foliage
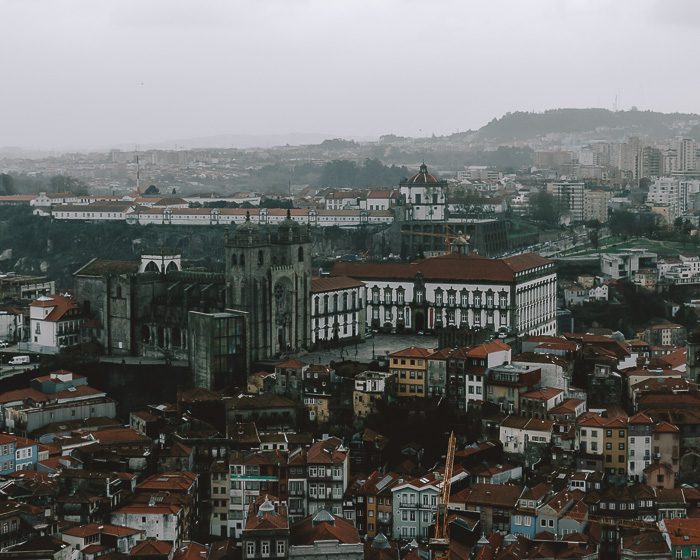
pixel 372 173
pixel 626 224
pixel 276 203
pixel 522 125
pixel 151 190
pixel 545 208
pixel 686 316
pixel 7 184
pixel 67 184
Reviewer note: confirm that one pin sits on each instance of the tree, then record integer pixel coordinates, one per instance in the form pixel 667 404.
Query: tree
pixel 594 237
pixel 545 208
pixel 67 184
pixel 152 189
pixel 7 184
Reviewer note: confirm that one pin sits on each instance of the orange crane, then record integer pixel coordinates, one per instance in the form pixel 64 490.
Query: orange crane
pixel 448 235
pixel 440 543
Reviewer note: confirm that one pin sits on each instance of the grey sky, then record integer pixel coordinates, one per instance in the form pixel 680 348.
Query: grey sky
pixel 98 72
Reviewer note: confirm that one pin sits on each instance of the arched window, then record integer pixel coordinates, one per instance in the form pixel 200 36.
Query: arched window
pixel 261 258
pixel 242 260
pixel 301 254
pixel 274 261
pixel 234 259
pixel 119 291
pixel 152 267
pixel 145 334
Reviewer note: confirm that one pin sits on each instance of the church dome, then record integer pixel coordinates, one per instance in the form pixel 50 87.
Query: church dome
pixel 423 176
pixel 248 225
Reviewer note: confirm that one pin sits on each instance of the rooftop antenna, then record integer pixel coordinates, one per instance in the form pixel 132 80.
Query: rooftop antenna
pixel 138 178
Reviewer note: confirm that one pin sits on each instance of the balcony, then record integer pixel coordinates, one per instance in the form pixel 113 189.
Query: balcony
pixel 409 505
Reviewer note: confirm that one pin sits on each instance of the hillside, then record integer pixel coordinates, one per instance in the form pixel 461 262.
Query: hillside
pixel 32 245
pixel 600 123
pixel 39 246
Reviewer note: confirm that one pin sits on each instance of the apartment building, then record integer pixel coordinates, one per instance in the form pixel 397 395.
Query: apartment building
pixel 415 502
pixel 411 368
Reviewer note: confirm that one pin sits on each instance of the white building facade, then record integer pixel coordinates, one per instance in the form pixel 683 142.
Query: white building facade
pixel 338 309
pixel 466 291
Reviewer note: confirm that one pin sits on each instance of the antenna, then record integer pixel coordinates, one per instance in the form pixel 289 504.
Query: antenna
pixel 138 178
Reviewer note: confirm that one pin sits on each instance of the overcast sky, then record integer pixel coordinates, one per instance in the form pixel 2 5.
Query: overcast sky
pixel 99 73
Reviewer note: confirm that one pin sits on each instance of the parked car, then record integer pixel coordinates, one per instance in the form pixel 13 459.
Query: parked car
pixel 4 344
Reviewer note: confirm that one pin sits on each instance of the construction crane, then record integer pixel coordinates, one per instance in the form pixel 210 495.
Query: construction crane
pixel 448 236
pixel 440 543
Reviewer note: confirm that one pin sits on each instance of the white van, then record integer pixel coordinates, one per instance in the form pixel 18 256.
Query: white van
pixel 19 360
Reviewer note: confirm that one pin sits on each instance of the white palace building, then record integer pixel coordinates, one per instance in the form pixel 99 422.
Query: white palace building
pixel 469 291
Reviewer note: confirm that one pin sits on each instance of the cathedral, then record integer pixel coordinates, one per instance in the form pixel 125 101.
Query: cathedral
pixel 260 308
pixel 269 277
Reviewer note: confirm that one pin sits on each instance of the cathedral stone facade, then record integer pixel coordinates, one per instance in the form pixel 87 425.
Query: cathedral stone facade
pixel 269 277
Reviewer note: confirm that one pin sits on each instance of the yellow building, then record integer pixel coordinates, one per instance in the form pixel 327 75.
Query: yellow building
pixel 411 369
pixel 615 446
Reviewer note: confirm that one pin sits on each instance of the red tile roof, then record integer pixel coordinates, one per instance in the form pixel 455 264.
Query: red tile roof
pixel 151 547
pixel 487 348
pixel 545 393
pixel 97 528
pixel 412 352
pixel 60 305
pixel 295 364
pixel 331 283
pixel 312 529
pixel 665 427
pixel 191 551
pixel 172 481
pixel 452 266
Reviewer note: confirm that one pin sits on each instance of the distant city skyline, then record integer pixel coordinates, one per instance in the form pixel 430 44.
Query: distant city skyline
pixel 78 74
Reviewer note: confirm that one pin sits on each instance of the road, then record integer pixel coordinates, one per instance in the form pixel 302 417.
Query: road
pixel 372 348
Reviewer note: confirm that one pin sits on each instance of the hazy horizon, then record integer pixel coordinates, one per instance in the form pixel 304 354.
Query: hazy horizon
pixel 79 74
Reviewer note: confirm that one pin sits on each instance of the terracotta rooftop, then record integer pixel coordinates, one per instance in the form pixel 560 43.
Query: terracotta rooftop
pixel 60 306
pixel 151 547
pixel 412 352
pixel 545 393
pixel 323 526
pixel 331 283
pixel 452 266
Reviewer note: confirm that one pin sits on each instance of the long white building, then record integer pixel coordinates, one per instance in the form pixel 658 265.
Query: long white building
pixel 139 214
pixel 468 291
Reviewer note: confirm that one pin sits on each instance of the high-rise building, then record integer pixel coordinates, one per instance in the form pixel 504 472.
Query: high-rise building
pixel 570 196
pixel 687 155
pixel 595 205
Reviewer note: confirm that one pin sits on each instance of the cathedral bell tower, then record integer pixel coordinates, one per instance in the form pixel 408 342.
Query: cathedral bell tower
pixel 268 275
